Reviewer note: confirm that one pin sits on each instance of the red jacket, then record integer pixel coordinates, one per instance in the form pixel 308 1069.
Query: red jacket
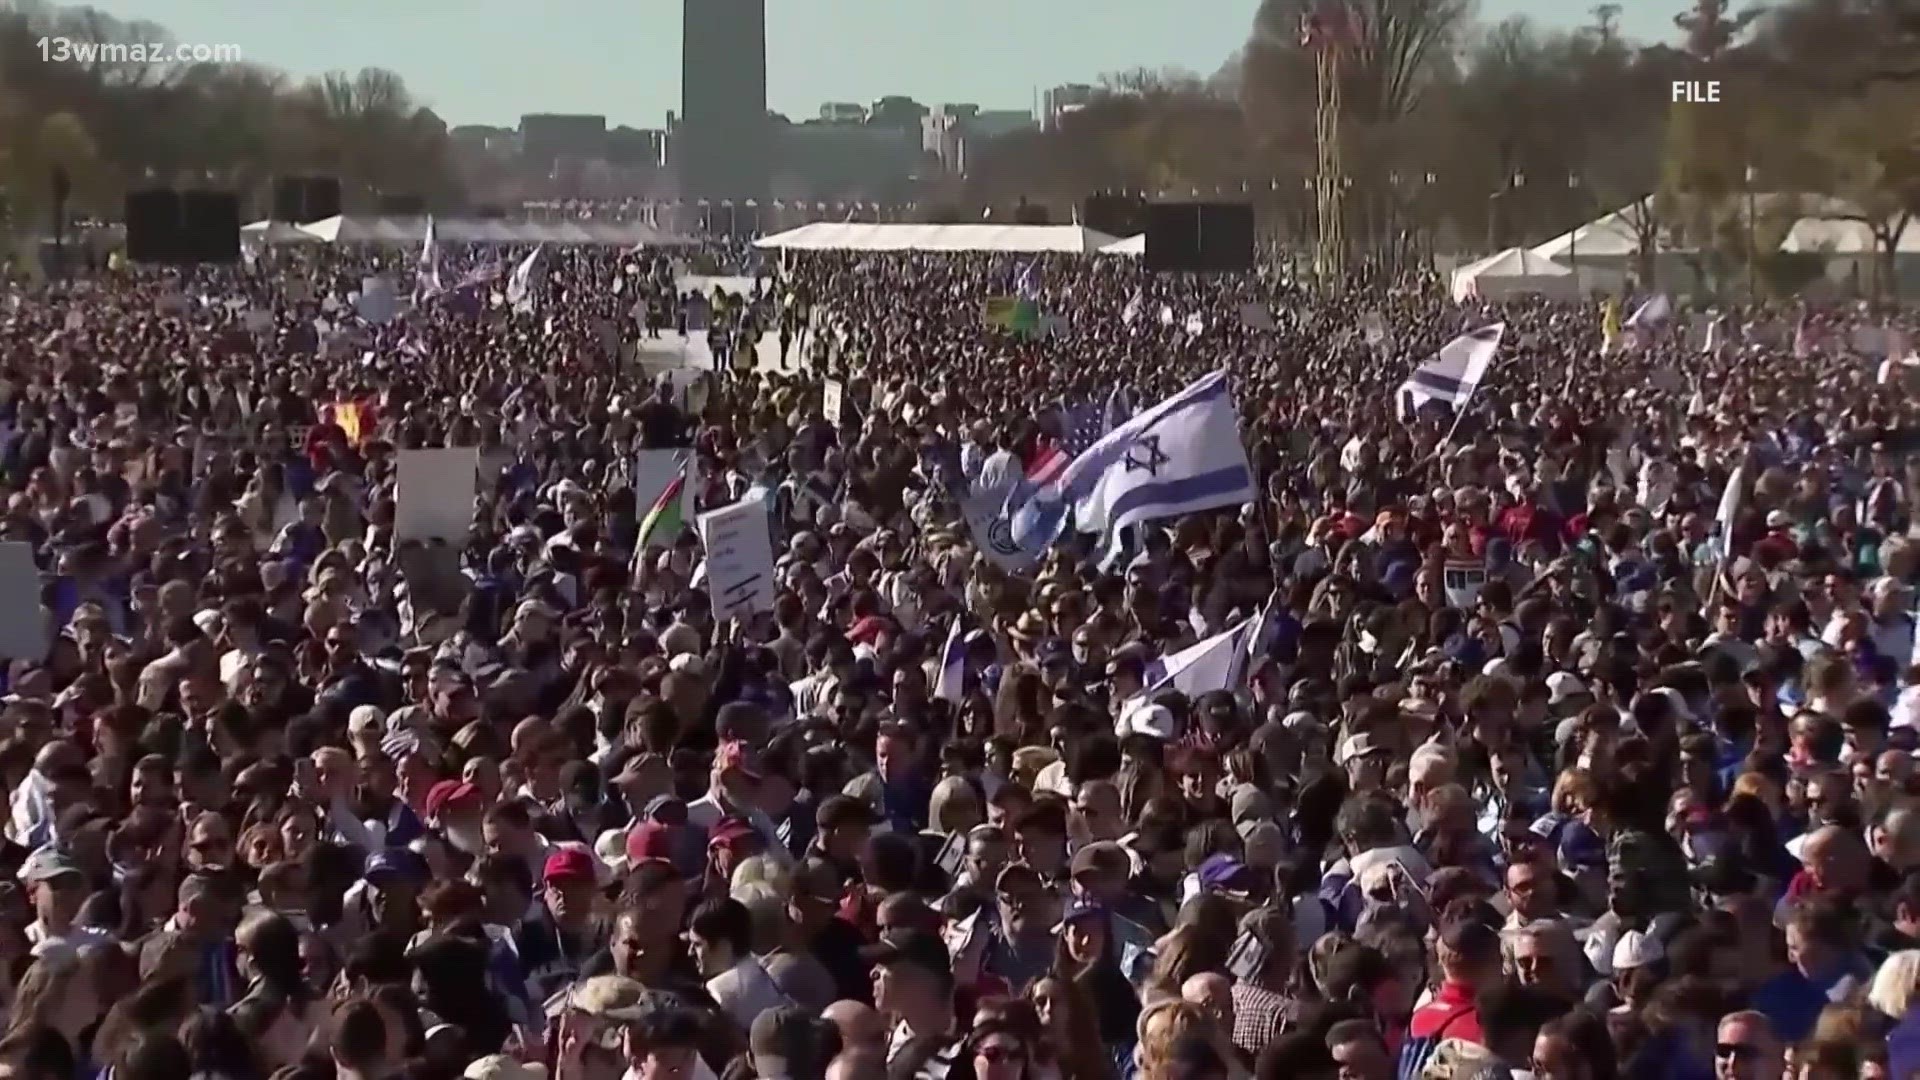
pixel 1451 1009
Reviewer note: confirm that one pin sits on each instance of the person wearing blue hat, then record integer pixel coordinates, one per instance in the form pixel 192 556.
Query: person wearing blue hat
pixel 385 896
pixel 1088 956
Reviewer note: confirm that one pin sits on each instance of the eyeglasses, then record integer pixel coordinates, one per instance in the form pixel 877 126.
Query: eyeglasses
pixel 1734 1050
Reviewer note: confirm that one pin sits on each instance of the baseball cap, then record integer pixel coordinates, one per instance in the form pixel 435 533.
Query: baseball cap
pixel 395 866
pixel 1359 745
pixel 1224 873
pixel 1562 685
pixel 1100 856
pixel 1081 909
pixel 1153 721
pixel 447 793
pixel 1637 948
pixel 649 840
pixel 666 809
pixel 916 947
pixel 729 832
pixel 48 863
pixel 568 864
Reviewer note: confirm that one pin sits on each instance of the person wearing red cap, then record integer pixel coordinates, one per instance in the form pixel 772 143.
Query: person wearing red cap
pixel 554 945
pixel 454 810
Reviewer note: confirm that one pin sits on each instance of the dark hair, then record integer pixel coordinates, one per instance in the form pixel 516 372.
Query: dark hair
pixel 358 1034
pixel 671 1027
pixel 215 1044
pixel 43 1053
pixel 1586 1032
pixel 724 921
pixel 153 1056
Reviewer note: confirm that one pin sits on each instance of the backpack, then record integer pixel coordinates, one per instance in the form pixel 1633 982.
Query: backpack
pixel 1414 1052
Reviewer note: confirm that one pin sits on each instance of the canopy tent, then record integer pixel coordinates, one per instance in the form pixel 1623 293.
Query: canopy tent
pixel 1135 246
pixel 276 232
pixel 1612 236
pixel 341 229
pixel 1512 272
pixel 861 236
pixel 1845 236
pixel 372 229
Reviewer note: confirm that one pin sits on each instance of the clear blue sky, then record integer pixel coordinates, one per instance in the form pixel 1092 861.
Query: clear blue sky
pixel 489 61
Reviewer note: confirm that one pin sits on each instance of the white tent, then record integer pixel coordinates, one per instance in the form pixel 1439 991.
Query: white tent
pixel 1512 272
pixel 1840 236
pixel 1612 236
pixel 276 232
pixel 861 236
pixel 1132 245
pixel 341 229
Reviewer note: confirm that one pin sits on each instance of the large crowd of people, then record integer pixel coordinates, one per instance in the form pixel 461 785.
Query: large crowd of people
pixel 1579 742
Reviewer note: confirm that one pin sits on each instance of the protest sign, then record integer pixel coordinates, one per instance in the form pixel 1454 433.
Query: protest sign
pixel 739 558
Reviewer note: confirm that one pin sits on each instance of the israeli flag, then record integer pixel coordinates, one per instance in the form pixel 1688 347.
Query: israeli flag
pixel 1182 456
pixel 1218 663
pixel 1453 374
pixel 520 284
pixel 951 682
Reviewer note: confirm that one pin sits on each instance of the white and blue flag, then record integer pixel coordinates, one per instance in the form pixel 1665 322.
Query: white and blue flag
pixel 1179 457
pixel 1217 663
pixel 521 283
pixel 950 684
pixel 1454 373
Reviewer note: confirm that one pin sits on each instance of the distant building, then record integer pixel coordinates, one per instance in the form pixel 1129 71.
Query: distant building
pixel 1061 100
pixel 484 139
pixel 642 147
pixel 897 111
pixel 548 137
pixel 841 162
pixel 721 147
pixel 948 130
pixel 843 112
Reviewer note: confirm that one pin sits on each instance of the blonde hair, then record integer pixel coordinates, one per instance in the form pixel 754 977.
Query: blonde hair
pixel 1894 983
pixel 1161 1025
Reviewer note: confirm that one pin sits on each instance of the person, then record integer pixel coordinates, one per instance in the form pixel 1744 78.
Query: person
pixel 1262 964
pixel 1469 956
pixel 913 990
pixel 720 937
pixel 1746 1048
pixel 1358 1051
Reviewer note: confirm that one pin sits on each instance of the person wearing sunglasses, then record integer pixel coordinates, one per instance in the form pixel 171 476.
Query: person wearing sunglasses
pixel 1746 1048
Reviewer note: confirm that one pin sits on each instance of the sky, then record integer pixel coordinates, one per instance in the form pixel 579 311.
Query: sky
pixel 489 61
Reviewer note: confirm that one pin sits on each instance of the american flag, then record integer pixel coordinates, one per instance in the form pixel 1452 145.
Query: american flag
pixel 1081 426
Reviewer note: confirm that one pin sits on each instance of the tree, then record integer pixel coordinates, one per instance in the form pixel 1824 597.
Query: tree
pixel 119 124
pixel 1873 145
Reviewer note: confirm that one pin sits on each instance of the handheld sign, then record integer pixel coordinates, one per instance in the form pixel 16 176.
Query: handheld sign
pixel 1462 581
pixel 739 558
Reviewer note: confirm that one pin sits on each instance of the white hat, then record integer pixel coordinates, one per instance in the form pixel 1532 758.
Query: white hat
pixel 366 718
pixel 502 1067
pixel 1155 721
pixel 1562 685
pixel 1361 744
pixel 1636 949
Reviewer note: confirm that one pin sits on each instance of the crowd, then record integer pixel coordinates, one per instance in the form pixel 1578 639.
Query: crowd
pixel 1555 758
